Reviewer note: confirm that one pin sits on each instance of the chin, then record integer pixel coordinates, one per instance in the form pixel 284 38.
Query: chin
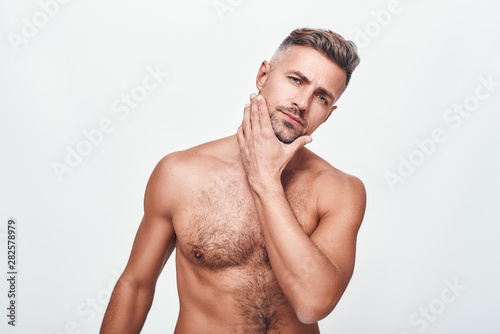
pixel 287 138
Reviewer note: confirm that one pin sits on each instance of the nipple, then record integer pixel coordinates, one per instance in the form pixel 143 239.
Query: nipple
pixel 198 254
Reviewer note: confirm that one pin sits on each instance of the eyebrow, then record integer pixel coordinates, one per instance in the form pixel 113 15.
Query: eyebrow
pixel 307 81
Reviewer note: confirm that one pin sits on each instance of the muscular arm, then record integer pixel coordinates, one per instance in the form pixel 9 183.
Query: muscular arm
pixel 155 240
pixel 312 272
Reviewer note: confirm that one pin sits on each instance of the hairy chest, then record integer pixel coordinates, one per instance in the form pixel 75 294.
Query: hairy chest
pixel 218 226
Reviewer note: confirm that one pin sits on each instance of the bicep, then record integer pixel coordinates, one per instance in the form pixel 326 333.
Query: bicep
pixel 153 244
pixel 342 212
pixel 155 238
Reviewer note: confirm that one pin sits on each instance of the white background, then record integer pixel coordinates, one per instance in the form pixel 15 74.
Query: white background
pixel 74 235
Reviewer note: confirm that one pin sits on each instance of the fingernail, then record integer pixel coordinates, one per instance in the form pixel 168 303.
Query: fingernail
pixel 259 97
pixel 308 140
pixel 247 105
pixel 252 96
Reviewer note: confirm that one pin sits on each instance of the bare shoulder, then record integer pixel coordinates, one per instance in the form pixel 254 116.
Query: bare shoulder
pixel 178 173
pixel 186 163
pixel 338 193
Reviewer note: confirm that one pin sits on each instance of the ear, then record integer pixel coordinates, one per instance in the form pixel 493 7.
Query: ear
pixel 329 113
pixel 262 75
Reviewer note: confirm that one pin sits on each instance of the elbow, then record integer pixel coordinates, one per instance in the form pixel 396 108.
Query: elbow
pixel 317 301
pixel 312 311
pixel 131 288
pixel 308 318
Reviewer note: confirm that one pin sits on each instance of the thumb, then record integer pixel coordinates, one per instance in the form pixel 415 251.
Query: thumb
pixel 299 143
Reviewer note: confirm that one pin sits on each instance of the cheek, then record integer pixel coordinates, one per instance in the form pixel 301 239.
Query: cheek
pixel 274 92
pixel 317 120
pixel 325 118
pixel 269 95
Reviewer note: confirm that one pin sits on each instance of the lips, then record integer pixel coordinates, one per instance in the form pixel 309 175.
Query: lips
pixel 293 118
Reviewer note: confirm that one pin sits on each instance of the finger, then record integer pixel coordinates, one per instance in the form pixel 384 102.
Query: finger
pixel 246 126
pixel 240 138
pixel 239 134
pixel 254 113
pixel 264 120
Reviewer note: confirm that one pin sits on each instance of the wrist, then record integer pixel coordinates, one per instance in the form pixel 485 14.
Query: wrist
pixel 265 185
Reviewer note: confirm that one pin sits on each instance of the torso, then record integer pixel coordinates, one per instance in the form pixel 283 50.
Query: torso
pixel 225 280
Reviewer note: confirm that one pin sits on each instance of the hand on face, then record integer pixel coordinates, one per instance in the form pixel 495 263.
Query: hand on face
pixel 264 157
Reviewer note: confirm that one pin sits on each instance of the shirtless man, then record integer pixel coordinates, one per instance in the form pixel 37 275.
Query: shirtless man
pixel 265 230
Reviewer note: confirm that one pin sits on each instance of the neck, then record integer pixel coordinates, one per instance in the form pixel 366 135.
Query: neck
pixel 297 161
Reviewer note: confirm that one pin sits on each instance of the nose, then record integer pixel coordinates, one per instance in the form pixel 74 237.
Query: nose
pixel 301 100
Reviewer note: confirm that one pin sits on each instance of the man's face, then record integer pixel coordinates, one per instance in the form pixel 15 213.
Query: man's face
pixel 300 91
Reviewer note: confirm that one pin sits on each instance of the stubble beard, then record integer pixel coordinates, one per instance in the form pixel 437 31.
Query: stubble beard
pixel 285 131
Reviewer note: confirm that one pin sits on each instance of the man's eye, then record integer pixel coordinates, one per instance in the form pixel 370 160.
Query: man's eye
pixel 322 98
pixel 295 80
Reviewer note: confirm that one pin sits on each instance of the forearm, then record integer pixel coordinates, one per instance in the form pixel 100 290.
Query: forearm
pixel 306 276
pixel 309 279
pixel 127 309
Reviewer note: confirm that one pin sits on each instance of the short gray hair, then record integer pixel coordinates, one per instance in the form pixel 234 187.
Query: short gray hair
pixel 342 52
